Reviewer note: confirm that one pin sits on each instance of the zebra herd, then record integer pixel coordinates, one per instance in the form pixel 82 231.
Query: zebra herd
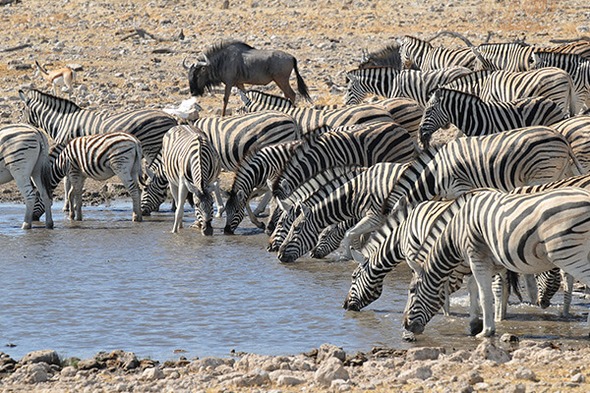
pixel 511 195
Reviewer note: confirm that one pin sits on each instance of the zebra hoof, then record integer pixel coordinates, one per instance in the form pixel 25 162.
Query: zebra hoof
pixel 26 225
pixel 49 225
pixel 475 327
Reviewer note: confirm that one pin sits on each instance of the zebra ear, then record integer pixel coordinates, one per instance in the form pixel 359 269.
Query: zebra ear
pixel 23 96
pixel 358 256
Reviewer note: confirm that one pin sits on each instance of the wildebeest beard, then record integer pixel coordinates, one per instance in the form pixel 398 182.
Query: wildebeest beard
pixel 201 78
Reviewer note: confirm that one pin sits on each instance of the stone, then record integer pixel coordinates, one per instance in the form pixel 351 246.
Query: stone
pixel 46 356
pixel 152 374
pixel 89 364
pixel 426 353
pixel 489 351
pixel 525 373
pixel 421 373
pixel 289 380
pixel 578 378
pixel 68 371
pixel 328 350
pixel 330 370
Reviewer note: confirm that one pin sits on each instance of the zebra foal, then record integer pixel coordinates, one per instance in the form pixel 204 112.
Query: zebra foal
pixel 98 157
pixel 191 164
pixel 527 234
pixel 24 157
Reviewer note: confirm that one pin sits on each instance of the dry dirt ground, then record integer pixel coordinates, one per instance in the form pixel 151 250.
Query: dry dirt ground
pixel 131 55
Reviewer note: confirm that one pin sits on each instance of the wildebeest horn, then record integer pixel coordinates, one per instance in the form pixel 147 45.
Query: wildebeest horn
pixel 202 61
pixel 184 65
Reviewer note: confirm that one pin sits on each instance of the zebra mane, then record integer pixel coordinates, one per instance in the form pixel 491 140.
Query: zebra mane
pixel 50 100
pixel 467 95
pixel 518 43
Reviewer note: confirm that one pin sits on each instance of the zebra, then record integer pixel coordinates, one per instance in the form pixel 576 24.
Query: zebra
pixel 99 157
pixel 524 156
pixel 414 51
pixel 397 240
pixel 232 137
pixel 313 190
pixel 511 56
pixel 474 117
pixel 310 119
pixel 24 157
pixel 191 164
pixel 529 233
pixel 360 199
pixel 389 82
pixel 581 48
pixel 258 168
pixel 575 65
pixel 377 142
pixel 330 238
pixel 577 132
pixel 64 120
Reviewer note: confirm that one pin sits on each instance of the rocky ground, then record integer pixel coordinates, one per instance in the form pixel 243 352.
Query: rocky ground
pixel 130 56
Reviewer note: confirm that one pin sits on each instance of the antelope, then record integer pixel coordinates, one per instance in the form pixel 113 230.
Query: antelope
pixel 63 76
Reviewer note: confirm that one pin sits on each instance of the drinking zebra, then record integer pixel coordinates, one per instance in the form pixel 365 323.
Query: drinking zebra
pixel 389 82
pixel 64 120
pixel 310 119
pixel 523 233
pixel 232 137
pixel 24 158
pixel 365 146
pixel 360 199
pixel 98 157
pixel 474 117
pixel 191 164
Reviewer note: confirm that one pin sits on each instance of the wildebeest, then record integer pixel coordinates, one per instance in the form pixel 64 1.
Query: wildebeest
pixel 235 63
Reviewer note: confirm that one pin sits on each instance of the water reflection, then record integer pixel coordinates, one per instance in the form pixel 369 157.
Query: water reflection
pixel 107 283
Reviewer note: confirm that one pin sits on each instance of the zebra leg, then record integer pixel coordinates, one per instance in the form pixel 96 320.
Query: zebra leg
pixel 475 322
pixel 568 287
pixel 77 189
pixel 182 192
pixel 263 203
pixel 500 289
pixel 67 188
pixel 219 206
pixel 482 272
pixel 530 285
pixel 43 194
pixel 29 195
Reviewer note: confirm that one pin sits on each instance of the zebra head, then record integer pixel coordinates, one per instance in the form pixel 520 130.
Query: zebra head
pixel 204 212
pixel 366 287
pixel 354 91
pixel 235 208
pixel 301 237
pixel 434 117
pixel 422 303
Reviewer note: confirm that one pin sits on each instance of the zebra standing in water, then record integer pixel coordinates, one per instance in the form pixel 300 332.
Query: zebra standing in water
pixel 529 233
pixel 24 157
pixel 416 52
pixel 191 164
pixel 389 82
pixel 63 120
pixel 474 117
pixel 99 157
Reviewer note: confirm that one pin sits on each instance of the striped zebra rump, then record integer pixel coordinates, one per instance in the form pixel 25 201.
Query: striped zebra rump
pixel 24 158
pixel 526 156
pixel 529 234
pixel 359 199
pixel 575 65
pixel 234 136
pixel 581 48
pixel 191 164
pixel 475 117
pixel 577 132
pixel 98 157
pixel 365 146
pixel 310 192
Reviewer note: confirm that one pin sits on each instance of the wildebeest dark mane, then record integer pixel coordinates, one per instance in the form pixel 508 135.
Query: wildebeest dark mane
pixel 388 56
pixel 223 52
pixel 216 48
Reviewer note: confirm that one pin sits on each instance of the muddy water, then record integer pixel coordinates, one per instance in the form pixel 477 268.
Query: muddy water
pixel 107 283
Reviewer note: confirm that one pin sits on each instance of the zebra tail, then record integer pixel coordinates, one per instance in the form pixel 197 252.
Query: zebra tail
pixel 301 86
pixel 512 279
pixel 576 163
